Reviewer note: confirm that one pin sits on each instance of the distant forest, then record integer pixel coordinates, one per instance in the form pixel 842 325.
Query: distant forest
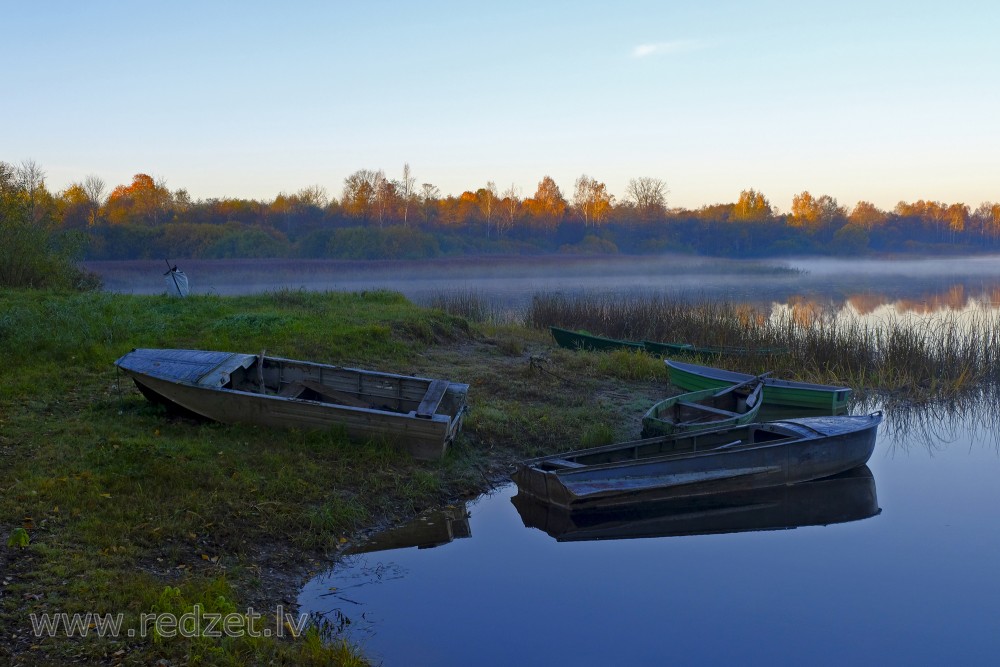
pixel 376 217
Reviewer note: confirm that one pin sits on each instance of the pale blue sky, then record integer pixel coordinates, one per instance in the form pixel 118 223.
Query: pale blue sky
pixel 883 101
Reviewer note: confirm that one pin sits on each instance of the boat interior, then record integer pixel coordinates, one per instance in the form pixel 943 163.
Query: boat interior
pixel 683 445
pixel 341 386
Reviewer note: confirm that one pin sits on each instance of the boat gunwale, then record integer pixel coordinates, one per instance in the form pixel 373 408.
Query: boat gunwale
pixel 797 437
pixel 722 375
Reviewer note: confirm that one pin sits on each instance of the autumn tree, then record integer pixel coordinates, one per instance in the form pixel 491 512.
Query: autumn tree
pixel 591 200
pixel 548 202
pixel 143 200
pixel 74 206
pixel 866 215
pixel 987 219
pixel 752 206
pixel 648 196
pixel 360 189
pixel 810 212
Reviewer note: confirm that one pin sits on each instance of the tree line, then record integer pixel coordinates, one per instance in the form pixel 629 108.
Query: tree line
pixel 377 217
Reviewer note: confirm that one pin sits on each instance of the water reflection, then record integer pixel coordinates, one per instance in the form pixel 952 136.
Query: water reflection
pixel 849 496
pixel 429 530
pixel 970 418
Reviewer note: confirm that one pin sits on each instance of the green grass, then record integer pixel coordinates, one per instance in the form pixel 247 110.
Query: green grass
pixel 120 501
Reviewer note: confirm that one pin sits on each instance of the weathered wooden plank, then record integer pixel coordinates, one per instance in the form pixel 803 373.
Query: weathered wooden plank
pixel 335 396
pixel 707 408
pixel 432 399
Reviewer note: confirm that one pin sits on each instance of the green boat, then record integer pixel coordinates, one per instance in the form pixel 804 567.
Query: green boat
pixel 785 393
pixel 579 340
pixel 734 405
pixel 688 350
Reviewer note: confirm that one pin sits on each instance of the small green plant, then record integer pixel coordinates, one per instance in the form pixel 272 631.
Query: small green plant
pixel 597 435
pixel 18 538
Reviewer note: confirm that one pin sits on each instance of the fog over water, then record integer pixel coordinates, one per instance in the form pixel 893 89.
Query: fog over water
pixel 514 280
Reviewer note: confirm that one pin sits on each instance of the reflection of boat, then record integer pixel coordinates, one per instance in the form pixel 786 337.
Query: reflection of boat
pixel 428 530
pixel 708 408
pixel 849 496
pixel 702 462
pixel 423 415
pixel 776 392
pixel 579 340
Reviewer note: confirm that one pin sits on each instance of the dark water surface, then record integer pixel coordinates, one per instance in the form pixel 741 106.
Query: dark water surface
pixel 916 584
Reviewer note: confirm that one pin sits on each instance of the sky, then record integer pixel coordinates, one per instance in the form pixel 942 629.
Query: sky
pixel 883 101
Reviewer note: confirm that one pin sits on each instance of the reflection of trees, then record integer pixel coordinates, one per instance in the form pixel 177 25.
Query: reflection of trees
pixel 936 425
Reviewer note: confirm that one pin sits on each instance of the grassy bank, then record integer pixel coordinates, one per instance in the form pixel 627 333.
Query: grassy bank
pixel 130 511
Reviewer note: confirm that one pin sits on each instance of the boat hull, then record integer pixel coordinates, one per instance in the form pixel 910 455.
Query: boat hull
pixel 575 340
pixel 208 395
pixel 824 446
pixel 783 393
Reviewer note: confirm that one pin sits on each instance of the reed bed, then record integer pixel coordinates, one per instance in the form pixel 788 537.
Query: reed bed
pixel 944 354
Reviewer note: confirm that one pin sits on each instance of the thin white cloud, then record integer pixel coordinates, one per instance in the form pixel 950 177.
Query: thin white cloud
pixel 666 48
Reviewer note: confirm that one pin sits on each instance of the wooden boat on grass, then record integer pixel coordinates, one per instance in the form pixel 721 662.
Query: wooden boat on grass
pixel 735 405
pixel 419 414
pixel 849 496
pixel 580 340
pixel 701 462
pixel 692 377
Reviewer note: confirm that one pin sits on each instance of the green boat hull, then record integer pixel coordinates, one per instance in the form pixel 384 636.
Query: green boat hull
pixel 783 393
pixel 661 419
pixel 577 340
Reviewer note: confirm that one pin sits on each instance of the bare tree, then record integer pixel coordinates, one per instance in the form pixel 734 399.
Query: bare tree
pixel 406 191
pixel 385 197
pixel 314 195
pixel 488 204
pixel 648 194
pixel 94 186
pixel 31 179
pixel 510 204
pixel 429 195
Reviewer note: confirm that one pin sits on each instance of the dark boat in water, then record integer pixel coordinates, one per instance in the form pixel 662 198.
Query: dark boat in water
pixel 701 462
pixel 418 414
pixel 849 496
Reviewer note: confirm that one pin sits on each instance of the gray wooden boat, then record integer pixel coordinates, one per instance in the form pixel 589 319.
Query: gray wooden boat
pixel 849 496
pixel 419 414
pixel 709 408
pixel 701 462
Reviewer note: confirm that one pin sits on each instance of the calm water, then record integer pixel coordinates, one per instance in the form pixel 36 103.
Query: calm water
pixel 917 583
